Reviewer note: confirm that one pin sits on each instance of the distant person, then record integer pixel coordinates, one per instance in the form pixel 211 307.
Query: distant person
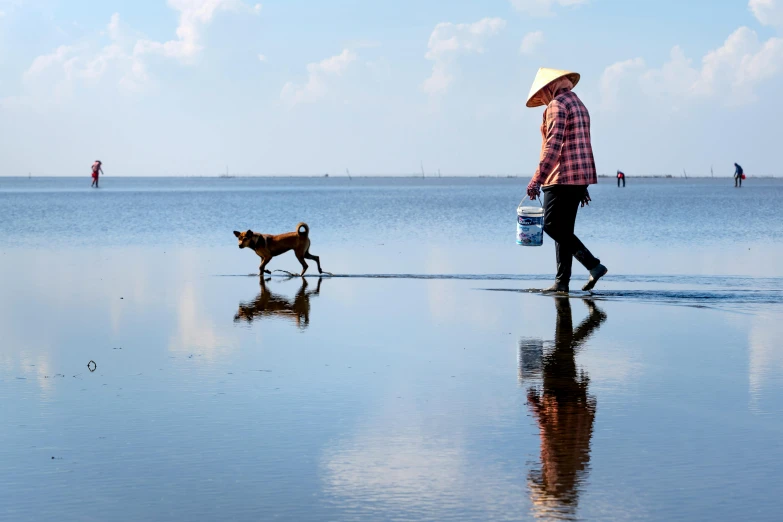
pixel 620 177
pixel 738 175
pixel 96 172
pixel 565 170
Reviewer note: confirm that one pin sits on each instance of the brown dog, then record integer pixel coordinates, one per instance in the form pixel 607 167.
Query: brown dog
pixel 268 246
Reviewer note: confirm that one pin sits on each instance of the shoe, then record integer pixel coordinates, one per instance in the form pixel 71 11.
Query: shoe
pixel 595 274
pixel 557 288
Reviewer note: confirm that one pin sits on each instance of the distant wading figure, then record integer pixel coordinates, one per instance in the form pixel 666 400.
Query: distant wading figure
pixel 620 177
pixel 738 173
pixel 565 170
pixel 96 172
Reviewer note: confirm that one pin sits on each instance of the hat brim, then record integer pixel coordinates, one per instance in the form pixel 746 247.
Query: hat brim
pixel 535 99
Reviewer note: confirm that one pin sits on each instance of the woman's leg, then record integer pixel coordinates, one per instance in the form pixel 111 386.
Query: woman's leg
pixel 561 204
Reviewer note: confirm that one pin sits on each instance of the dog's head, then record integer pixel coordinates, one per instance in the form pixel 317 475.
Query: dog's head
pixel 244 238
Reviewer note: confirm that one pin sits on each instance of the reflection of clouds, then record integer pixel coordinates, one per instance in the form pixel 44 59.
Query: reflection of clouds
pixel 447 303
pixel 194 330
pixel 62 314
pixel 23 364
pixel 26 348
pixel 402 465
pixel 766 356
pixel 400 462
pixel 44 374
pixel 610 367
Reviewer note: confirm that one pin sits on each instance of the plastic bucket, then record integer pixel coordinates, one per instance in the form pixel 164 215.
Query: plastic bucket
pixel 530 224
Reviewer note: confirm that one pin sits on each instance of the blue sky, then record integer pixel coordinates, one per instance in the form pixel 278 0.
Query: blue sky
pixel 188 87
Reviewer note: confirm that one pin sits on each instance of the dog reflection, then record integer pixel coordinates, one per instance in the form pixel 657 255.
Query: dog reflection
pixel 563 409
pixel 270 304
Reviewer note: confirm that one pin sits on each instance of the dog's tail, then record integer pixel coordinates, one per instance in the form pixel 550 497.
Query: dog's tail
pixel 304 226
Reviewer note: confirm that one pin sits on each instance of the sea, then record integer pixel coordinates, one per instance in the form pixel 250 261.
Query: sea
pixel 147 371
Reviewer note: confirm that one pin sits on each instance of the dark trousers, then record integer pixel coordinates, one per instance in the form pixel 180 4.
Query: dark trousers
pixel 620 179
pixel 561 203
pixel 738 181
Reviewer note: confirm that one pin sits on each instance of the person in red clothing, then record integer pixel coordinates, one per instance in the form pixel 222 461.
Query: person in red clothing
pixel 96 171
pixel 620 177
pixel 565 170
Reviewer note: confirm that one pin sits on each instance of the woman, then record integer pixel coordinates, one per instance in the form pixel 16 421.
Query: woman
pixel 565 170
pixel 96 171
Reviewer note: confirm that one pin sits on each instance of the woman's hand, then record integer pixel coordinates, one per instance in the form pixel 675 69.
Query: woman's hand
pixel 533 190
pixel 586 198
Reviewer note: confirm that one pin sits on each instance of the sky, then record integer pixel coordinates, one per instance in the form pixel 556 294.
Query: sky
pixel 295 87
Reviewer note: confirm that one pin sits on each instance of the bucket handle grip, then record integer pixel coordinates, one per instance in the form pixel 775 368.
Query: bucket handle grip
pixel 528 198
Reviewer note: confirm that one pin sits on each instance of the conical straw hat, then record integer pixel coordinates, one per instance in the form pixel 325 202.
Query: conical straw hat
pixel 544 77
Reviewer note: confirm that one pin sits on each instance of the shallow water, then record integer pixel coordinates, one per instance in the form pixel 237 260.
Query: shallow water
pixel 422 383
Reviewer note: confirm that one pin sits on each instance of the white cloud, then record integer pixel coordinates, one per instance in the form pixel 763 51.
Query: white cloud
pixel 59 70
pixel 316 86
pixel 612 79
pixel 261 57
pixel 543 7
pixel 56 72
pixel 729 73
pixel 44 62
pixel 194 15
pixel 448 41
pixel 531 42
pixel 768 12
pixel 114 26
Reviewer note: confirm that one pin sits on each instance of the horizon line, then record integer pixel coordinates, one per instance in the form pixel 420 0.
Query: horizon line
pixel 343 176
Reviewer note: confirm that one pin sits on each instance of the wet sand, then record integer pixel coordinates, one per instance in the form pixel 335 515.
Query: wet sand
pixel 362 398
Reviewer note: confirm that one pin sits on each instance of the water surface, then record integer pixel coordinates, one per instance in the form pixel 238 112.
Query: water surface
pixel 424 383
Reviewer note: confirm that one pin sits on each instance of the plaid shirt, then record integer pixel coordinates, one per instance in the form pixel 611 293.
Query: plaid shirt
pixel 566 152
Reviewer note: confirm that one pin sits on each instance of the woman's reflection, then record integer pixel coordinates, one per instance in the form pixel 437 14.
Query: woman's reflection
pixel 563 409
pixel 270 304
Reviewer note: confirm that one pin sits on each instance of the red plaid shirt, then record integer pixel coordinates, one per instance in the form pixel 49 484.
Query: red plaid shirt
pixel 566 152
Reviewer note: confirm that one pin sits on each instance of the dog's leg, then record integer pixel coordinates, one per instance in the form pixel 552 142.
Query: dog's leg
pixel 303 263
pixel 262 269
pixel 317 260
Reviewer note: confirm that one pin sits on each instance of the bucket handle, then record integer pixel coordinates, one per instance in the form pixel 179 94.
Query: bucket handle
pixel 528 198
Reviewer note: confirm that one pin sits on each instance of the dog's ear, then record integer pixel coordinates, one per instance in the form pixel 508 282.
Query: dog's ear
pixel 237 233
pixel 249 232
